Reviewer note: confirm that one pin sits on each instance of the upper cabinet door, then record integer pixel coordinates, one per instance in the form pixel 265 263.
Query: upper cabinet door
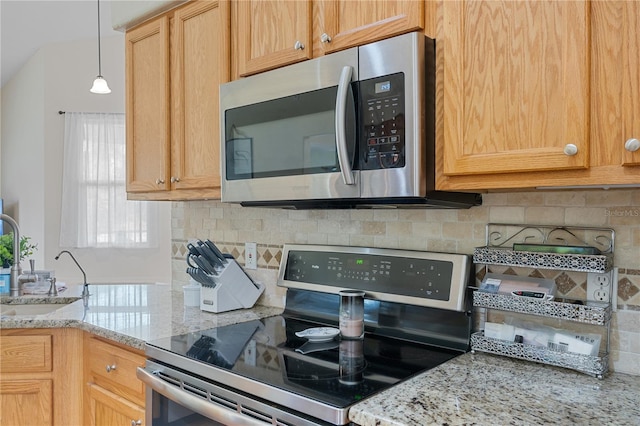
pixel 147 107
pixel 615 93
pixel 200 63
pixel 347 23
pixel 272 34
pixel 516 80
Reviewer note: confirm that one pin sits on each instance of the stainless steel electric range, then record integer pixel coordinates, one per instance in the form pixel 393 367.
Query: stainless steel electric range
pixel 260 372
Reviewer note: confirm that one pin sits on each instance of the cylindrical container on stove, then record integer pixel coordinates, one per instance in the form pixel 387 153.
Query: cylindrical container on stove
pixel 352 314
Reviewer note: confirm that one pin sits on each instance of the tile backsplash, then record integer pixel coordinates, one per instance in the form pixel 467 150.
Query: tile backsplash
pixel 455 231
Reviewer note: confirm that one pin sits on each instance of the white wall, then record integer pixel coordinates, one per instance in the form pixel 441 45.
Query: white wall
pixel 58 77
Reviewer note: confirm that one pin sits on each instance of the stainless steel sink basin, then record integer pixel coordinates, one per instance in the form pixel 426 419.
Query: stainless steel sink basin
pixel 31 309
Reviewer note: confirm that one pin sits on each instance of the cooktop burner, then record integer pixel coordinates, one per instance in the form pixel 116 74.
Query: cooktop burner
pixel 337 372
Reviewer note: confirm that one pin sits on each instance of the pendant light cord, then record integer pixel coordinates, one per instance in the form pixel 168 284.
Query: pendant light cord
pixel 99 53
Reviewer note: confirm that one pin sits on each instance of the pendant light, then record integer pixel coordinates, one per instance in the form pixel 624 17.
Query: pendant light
pixel 100 85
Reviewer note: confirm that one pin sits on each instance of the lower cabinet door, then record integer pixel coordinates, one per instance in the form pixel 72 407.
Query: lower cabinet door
pixel 26 402
pixel 110 409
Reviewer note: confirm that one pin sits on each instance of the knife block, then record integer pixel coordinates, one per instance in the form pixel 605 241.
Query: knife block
pixel 234 289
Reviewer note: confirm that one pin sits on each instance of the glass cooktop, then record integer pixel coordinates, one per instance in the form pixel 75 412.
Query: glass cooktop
pixel 267 351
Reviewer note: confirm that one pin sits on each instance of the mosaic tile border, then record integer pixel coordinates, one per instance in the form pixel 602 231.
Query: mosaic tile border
pixel 269 255
pixel 570 284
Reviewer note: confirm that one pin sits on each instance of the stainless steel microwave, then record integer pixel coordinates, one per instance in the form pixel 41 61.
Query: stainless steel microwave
pixel 355 128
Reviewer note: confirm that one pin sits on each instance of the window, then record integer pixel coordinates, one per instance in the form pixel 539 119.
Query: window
pixel 95 209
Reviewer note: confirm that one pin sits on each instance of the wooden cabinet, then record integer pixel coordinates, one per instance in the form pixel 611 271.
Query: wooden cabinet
pixel 174 65
pixel 537 94
pixel 114 395
pixel 40 379
pixel 277 33
pixel 615 87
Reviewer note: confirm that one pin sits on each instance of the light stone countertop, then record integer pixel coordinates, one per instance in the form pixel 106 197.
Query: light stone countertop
pixel 131 314
pixel 484 389
pixel 478 389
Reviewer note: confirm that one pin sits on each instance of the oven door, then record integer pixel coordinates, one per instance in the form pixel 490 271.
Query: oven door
pixel 290 133
pixel 179 399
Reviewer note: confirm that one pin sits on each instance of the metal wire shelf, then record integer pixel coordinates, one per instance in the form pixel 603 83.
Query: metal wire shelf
pixel 596 366
pixel 500 240
pixel 593 313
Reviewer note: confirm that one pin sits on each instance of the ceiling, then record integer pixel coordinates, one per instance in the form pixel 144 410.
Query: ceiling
pixel 26 26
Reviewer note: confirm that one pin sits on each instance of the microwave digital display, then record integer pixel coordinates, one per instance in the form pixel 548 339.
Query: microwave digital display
pixel 384 86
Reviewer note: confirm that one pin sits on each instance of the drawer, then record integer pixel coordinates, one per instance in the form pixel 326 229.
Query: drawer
pixel 114 368
pixel 26 354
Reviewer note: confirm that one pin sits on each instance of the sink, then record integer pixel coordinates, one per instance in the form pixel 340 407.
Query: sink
pixel 30 308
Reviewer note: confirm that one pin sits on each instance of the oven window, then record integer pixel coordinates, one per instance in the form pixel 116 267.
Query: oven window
pixel 289 136
pixel 169 413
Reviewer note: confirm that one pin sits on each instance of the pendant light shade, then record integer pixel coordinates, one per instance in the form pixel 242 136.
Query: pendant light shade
pixel 100 85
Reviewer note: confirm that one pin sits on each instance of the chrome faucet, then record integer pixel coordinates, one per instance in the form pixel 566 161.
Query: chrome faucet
pixel 17 278
pixel 85 289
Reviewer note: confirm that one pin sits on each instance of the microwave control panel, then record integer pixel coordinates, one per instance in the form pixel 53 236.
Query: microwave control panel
pixel 382 144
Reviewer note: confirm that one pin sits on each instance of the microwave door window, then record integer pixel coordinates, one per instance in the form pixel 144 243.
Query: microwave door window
pixel 239 154
pixel 289 136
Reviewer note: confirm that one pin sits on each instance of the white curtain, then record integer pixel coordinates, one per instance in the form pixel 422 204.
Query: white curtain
pixel 95 209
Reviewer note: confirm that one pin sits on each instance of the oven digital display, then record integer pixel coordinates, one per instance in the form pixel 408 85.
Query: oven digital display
pixel 383 86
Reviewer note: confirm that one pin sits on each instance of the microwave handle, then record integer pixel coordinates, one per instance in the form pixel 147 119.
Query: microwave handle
pixel 341 130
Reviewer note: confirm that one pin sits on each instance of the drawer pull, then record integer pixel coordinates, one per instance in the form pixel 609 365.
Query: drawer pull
pixel 110 368
pixel 174 179
pixel 325 38
pixel 298 45
pixel 159 181
pixel 136 422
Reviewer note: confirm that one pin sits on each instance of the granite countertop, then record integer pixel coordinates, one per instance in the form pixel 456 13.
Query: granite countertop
pixel 478 389
pixel 131 314
pixel 484 389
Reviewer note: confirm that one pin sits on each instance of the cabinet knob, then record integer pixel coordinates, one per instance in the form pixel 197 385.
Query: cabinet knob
pixel 632 145
pixel 570 149
pixel 110 368
pixel 159 181
pixel 136 422
pixel 325 38
pixel 298 45
pixel 174 179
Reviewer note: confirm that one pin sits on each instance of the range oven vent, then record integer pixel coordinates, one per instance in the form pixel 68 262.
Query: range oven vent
pixel 221 400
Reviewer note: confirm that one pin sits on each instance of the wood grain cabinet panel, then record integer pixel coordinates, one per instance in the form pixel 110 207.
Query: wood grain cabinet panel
pixel 515 86
pixel 40 378
pixel 272 34
pixel 113 393
pixel 26 354
pixel 174 66
pixel 615 83
pixel 518 81
pixel 26 402
pixel 109 409
pixel 147 106
pixel 353 23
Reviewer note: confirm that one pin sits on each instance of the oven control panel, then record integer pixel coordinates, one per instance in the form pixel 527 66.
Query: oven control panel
pixel 414 277
pixel 382 119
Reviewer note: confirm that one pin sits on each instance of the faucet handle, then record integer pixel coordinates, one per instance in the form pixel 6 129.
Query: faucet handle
pixel 53 289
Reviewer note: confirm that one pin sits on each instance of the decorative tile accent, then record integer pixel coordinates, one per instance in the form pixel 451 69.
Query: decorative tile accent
pixel 626 289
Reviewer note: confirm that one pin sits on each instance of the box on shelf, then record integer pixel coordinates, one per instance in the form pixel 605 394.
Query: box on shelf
pixel 539 288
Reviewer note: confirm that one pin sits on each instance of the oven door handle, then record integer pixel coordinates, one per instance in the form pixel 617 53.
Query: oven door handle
pixel 341 126
pixel 206 408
